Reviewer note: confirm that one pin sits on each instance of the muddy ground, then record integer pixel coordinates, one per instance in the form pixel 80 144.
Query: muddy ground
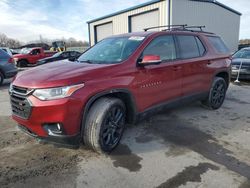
pixel 188 146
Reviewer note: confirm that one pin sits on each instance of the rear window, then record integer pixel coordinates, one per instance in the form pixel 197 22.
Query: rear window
pixel 3 54
pixel 218 45
pixel 190 46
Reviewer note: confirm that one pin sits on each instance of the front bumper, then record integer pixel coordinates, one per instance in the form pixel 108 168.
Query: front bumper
pixel 65 111
pixel 62 140
pixel 244 73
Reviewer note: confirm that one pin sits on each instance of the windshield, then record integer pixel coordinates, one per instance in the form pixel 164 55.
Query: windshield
pixel 25 50
pixel 111 50
pixel 242 54
pixel 57 54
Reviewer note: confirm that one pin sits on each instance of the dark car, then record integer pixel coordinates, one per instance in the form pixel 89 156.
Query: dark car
pixel 241 64
pixel 119 80
pixel 7 66
pixel 72 55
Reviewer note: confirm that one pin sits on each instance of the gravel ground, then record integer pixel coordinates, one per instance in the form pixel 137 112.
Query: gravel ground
pixel 188 146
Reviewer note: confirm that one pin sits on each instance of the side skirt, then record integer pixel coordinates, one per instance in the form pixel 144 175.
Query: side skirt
pixel 170 104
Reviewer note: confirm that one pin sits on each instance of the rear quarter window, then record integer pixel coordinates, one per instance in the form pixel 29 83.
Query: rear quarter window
pixel 218 45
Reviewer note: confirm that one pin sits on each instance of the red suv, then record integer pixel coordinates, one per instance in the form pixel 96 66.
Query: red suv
pixel 121 79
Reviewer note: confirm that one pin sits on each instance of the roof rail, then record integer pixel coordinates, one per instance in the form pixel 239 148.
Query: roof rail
pixel 183 27
pixel 194 26
pixel 168 26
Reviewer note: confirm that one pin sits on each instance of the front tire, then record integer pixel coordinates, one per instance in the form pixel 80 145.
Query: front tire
pixel 105 124
pixel 22 63
pixel 217 94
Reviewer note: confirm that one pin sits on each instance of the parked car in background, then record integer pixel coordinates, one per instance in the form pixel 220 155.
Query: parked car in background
pixel 29 56
pixel 7 66
pixel 241 64
pixel 72 55
pixel 120 80
pixel 15 51
pixel 7 50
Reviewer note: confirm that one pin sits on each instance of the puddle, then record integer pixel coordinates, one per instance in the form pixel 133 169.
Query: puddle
pixel 123 157
pixel 189 174
pixel 142 138
pixel 182 133
pixel 236 100
pixel 175 151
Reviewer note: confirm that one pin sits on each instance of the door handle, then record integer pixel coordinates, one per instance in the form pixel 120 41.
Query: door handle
pixel 209 62
pixel 176 68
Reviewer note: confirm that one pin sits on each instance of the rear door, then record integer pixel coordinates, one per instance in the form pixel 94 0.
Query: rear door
pixel 159 83
pixel 191 52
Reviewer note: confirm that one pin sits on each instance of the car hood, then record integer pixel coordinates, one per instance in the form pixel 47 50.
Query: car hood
pixel 48 59
pixel 237 61
pixel 60 73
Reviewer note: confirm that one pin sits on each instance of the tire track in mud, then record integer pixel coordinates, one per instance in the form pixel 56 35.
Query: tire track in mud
pixel 23 159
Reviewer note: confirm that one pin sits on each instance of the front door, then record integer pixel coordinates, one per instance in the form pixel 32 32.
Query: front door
pixel 161 83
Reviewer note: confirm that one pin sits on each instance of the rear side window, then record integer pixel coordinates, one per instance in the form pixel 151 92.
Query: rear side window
pixel 162 46
pixel 189 46
pixel 201 47
pixel 218 44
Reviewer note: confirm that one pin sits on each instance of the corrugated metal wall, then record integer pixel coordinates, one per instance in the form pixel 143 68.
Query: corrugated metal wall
pixel 216 19
pixel 120 22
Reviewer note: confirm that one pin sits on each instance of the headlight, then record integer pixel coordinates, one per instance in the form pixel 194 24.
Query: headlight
pixel 56 93
pixel 15 59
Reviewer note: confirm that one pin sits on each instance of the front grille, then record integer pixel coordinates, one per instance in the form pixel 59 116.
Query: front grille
pixel 20 105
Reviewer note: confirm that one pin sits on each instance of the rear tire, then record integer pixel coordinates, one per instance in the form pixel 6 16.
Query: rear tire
pixel 105 124
pixel 1 78
pixel 217 94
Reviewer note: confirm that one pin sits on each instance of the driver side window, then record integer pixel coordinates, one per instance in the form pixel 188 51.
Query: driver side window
pixel 35 52
pixel 162 46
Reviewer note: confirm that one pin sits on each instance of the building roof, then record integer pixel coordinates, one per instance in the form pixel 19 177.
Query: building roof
pixel 126 10
pixel 156 1
pixel 219 4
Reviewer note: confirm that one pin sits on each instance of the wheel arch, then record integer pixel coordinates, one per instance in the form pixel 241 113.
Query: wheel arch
pixel 225 75
pixel 124 94
pixel 23 59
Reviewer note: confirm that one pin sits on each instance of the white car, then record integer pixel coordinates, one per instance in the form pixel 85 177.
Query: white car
pixel 7 50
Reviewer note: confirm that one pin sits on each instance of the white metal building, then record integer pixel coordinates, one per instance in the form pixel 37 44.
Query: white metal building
pixel 217 17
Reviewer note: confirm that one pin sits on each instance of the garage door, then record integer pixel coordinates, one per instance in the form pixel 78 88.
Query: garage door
pixel 103 31
pixel 141 21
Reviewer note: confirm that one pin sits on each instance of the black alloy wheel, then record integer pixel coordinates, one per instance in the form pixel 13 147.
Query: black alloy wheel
pixel 113 126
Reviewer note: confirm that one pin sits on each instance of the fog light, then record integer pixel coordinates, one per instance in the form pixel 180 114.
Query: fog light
pixel 53 129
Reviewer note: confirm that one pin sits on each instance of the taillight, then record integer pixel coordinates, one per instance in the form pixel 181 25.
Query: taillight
pixel 11 60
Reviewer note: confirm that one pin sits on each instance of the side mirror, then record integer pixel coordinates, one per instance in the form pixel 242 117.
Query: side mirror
pixel 150 60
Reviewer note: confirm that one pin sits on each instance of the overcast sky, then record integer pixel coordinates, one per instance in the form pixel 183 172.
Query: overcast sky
pixel 27 19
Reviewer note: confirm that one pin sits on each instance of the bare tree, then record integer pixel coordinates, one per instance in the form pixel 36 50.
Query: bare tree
pixel 12 43
pixel 8 42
